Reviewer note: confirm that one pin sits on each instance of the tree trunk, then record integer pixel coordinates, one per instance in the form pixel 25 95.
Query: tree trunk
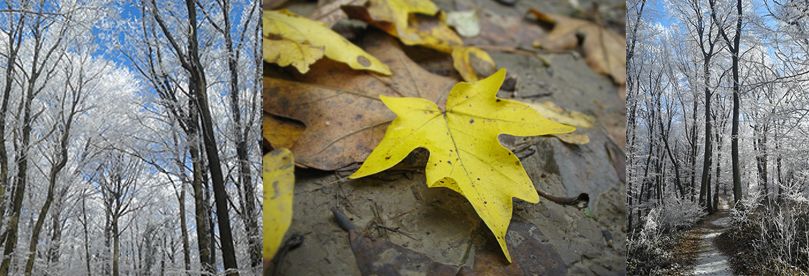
pixel 116 247
pixel 86 235
pixel 184 230
pixel 241 132
pixel 734 136
pixel 705 191
pixel 200 206
pixel 21 183
pixel 199 90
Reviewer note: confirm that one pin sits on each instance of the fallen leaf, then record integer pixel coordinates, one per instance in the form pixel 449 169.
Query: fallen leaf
pixel 552 111
pixel 340 108
pixel 574 118
pixel 471 62
pixel 414 22
pixel 466 23
pixel 603 49
pixel 290 39
pixel 465 154
pixel 329 12
pixel 279 182
pixel 280 133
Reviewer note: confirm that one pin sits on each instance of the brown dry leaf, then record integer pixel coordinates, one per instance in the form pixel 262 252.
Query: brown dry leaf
pixel 414 22
pixel 603 49
pixel 329 11
pixel 341 109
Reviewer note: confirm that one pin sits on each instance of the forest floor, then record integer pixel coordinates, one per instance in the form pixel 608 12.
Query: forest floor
pixel 699 250
pixel 394 212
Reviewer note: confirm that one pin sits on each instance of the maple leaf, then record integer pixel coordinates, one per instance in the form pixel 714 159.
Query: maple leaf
pixel 420 22
pixel 394 17
pixel 279 182
pixel 290 39
pixel 555 113
pixel 343 116
pixel 604 50
pixel 465 154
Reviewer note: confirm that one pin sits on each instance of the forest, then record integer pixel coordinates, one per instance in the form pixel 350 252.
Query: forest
pixel 718 136
pixel 129 137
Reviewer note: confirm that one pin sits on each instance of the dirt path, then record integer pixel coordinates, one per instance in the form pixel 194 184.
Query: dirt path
pixel 703 255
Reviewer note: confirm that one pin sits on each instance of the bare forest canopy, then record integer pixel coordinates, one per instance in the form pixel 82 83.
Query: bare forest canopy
pixel 717 103
pixel 129 137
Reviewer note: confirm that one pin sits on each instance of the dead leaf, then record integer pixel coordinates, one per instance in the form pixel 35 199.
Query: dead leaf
pixel 340 108
pixel 573 138
pixel 329 12
pixel 466 23
pixel 414 22
pixel 465 153
pixel 472 62
pixel 279 185
pixel 294 40
pixel 574 118
pixel 603 49
pixel 280 133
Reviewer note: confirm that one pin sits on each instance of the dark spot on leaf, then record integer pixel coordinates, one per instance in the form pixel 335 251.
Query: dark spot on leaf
pixel 478 178
pixel 471 121
pixel 485 202
pixel 387 157
pixel 363 61
pixel 449 162
pixel 498 100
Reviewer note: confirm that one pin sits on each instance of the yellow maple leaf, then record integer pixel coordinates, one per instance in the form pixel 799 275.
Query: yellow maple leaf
pixel 290 39
pixel 434 33
pixel 465 154
pixel 279 182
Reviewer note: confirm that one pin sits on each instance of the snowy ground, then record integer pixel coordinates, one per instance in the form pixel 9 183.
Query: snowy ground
pixel 710 261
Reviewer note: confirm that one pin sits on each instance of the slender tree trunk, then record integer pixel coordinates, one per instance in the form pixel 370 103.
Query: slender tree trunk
pixel 116 247
pixel 705 191
pixel 13 47
pixel 693 156
pixel 184 230
pixel 22 182
pixel 200 206
pixel 199 89
pixel 734 136
pixel 87 258
pixel 241 131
